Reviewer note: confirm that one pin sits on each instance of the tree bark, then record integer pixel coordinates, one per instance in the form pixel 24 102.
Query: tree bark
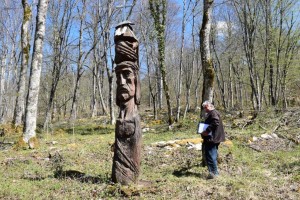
pixel 158 12
pixel 35 73
pixel 207 64
pixel 2 83
pixel 20 100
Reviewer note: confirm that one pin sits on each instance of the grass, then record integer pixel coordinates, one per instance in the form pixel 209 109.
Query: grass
pixel 75 163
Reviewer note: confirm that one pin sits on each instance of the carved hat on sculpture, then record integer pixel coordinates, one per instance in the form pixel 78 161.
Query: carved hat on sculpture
pixel 126 43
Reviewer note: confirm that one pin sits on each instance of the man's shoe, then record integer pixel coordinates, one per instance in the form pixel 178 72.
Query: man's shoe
pixel 212 176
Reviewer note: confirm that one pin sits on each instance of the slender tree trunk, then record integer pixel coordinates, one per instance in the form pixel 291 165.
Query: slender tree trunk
pixel 111 88
pixel 102 102
pixel 9 106
pixel 55 79
pixel 190 74
pixel 219 76
pixel 2 84
pixel 111 93
pixel 267 61
pixel 230 87
pixel 50 102
pixel 110 81
pixel 197 86
pixel 159 88
pixel 248 13
pixel 188 82
pixel 190 66
pixel 152 94
pixel 178 102
pixel 96 59
pixel 54 110
pixel 150 61
pixel 94 92
pixel 21 89
pixel 111 100
pixel 35 73
pixel 73 115
pixel 80 61
pixel 279 52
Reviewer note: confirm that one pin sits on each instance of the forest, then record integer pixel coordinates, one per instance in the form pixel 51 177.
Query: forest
pixel 58 85
pixel 253 47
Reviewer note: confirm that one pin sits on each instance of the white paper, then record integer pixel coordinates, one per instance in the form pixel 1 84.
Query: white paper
pixel 202 127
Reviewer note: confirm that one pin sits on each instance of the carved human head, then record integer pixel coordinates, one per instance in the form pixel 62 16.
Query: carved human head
pixel 128 83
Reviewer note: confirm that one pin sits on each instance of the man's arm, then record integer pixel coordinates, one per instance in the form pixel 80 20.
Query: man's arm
pixel 214 122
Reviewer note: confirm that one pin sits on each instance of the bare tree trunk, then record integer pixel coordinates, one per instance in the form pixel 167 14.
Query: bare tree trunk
pixel 54 110
pixel 100 88
pixel 207 64
pixel 79 63
pixel 94 90
pixel 95 70
pixel 9 84
pixel 111 94
pixel 189 69
pixel 107 48
pixel 111 100
pixel 153 94
pixel 268 61
pixel 219 74
pixel 159 88
pixel 35 73
pixel 2 84
pixel 158 11
pixel 248 13
pixel 94 86
pixel 20 100
pixel 230 87
pixel 279 51
pixel 151 63
pixel 50 104
pixel 178 102
pixel 61 30
pixel 111 88
pixel 198 74
pixel 55 79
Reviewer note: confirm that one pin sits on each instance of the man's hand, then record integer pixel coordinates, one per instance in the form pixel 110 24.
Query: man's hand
pixel 204 133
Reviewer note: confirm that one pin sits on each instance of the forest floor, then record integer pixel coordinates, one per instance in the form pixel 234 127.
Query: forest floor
pixel 259 160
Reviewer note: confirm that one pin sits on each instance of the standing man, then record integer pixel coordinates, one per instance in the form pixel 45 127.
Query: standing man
pixel 212 136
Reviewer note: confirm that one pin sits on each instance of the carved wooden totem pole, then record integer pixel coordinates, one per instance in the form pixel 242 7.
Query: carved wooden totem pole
pixel 127 149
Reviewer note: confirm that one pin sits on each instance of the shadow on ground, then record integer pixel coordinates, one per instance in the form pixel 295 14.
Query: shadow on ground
pixel 82 177
pixel 6 146
pixel 90 130
pixel 185 171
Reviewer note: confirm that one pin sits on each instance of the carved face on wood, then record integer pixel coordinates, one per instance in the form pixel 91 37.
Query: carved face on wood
pixel 125 84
